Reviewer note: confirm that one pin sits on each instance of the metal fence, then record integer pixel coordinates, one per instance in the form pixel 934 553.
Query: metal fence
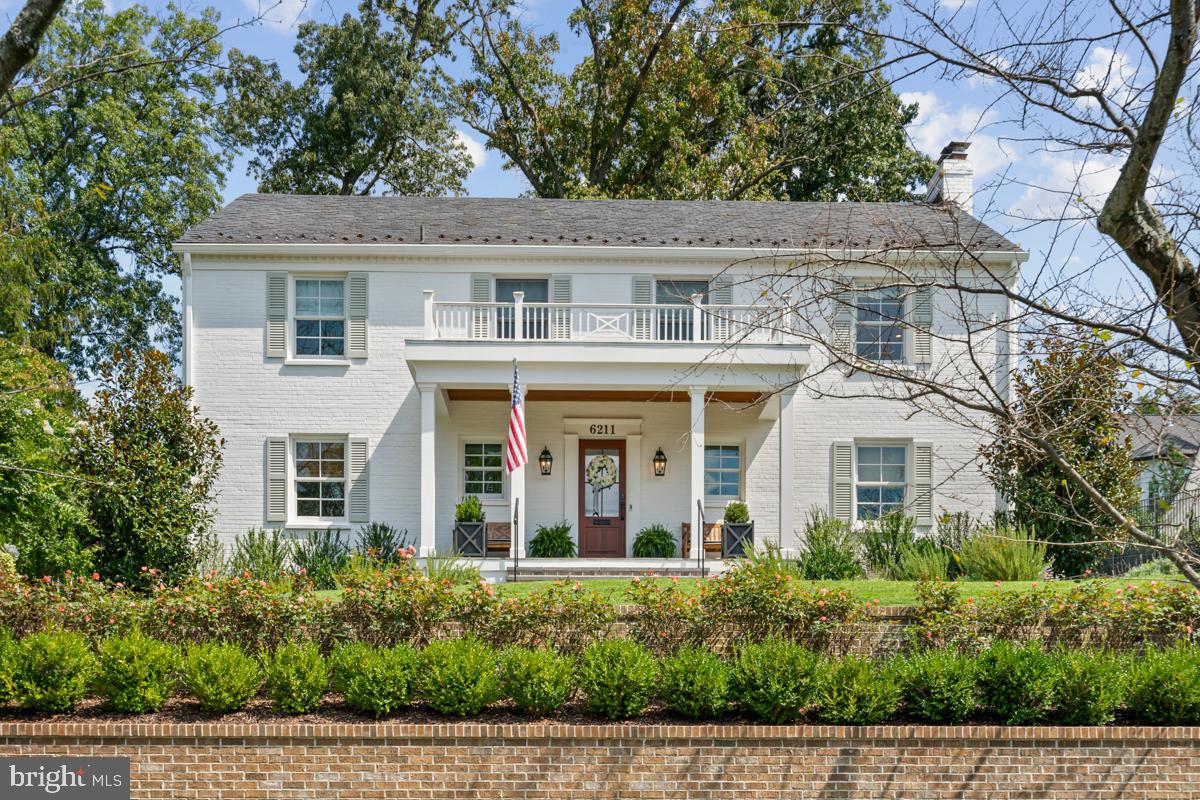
pixel 1169 519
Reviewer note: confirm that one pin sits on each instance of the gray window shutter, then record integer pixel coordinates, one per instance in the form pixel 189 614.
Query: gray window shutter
pixel 277 314
pixel 643 294
pixel 356 317
pixel 922 483
pixel 921 317
pixel 277 480
pixel 843 323
pixel 359 506
pixel 560 320
pixel 843 480
pixel 720 294
pixel 481 318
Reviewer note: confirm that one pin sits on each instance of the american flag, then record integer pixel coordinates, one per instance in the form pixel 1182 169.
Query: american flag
pixel 515 456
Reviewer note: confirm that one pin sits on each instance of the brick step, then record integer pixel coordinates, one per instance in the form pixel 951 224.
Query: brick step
pixel 600 573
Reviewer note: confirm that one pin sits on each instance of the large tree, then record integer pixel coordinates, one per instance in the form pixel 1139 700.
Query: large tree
pixel 734 99
pixel 111 151
pixel 369 116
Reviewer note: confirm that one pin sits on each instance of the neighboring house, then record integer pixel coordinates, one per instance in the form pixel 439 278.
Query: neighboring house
pixel 357 354
pixel 1164 447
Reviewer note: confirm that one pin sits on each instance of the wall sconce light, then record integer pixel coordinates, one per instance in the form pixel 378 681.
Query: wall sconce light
pixel 545 461
pixel 660 463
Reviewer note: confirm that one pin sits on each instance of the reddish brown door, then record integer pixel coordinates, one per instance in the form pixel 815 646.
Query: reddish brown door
pixel 602 498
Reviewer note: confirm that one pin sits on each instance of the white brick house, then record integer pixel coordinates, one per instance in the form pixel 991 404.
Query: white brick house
pixel 357 355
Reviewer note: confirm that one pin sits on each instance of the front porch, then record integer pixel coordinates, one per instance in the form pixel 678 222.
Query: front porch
pixel 623 403
pixel 507 569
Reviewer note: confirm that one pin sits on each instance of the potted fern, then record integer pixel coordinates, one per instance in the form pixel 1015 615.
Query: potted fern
pixel 654 542
pixel 470 527
pixel 552 541
pixel 737 531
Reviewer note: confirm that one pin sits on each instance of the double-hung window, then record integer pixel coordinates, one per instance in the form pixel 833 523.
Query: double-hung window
pixel 483 469
pixel 675 298
pixel 320 479
pixel 320 317
pixel 722 472
pixel 880 480
pixel 879 324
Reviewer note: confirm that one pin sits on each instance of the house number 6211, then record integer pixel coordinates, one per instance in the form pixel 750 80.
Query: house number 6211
pixel 602 430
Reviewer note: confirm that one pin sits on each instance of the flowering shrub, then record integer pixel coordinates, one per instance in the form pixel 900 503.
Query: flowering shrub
pixel 750 603
pixel 1090 613
pixel 80 603
pixel 397 604
pixel 566 617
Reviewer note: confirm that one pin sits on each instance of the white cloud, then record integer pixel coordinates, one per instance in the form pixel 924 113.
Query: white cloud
pixel 474 148
pixel 280 15
pixel 1111 72
pixel 1066 185
pixel 936 126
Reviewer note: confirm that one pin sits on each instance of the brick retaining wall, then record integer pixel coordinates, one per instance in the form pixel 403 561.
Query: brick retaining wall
pixel 470 760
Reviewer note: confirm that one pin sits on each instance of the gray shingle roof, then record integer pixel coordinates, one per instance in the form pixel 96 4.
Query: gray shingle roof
pixel 1155 435
pixel 295 219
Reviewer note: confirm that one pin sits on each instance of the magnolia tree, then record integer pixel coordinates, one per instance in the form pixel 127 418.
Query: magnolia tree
pixel 1113 87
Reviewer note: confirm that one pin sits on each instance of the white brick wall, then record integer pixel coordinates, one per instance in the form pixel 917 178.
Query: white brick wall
pixel 251 397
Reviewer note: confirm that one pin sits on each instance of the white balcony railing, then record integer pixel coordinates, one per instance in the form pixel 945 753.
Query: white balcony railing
pixel 595 322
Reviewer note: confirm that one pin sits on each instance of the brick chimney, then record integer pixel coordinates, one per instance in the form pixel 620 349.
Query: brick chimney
pixel 954 180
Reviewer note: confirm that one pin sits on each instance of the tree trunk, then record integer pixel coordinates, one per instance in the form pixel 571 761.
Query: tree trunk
pixel 20 44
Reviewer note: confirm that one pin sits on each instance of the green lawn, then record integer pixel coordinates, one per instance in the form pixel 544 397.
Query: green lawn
pixel 888 593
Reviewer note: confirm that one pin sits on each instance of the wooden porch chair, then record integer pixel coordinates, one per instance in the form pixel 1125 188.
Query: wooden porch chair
pixel 499 538
pixel 712 539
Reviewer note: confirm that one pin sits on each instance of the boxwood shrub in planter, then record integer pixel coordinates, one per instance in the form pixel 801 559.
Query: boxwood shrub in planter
pixel 470 527
pixel 552 541
pixel 737 532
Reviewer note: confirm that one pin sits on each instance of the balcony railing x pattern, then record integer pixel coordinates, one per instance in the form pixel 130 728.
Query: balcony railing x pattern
pixel 596 322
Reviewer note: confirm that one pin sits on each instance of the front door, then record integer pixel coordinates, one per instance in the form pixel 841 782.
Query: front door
pixel 602 498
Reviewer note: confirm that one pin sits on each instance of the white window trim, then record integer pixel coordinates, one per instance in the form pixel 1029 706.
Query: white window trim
pixel 296 521
pixel 461 461
pixel 907 444
pixel 716 501
pixel 906 357
pixel 293 358
pixel 706 279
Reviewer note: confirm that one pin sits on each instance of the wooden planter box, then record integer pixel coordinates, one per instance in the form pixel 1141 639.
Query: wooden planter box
pixel 737 538
pixel 470 538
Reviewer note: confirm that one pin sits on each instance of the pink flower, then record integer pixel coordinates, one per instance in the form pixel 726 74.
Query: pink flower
pixel 45 579
pixel 95 576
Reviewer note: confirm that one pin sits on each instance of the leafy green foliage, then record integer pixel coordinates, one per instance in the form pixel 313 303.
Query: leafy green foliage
pixel 737 512
pixel 469 509
pixel 320 556
pixel 459 676
pixel 696 100
pixel 381 543
pixel 884 542
pixel 52 671
pixel 775 680
pixel 1016 682
pixel 8 665
pixel 856 691
pixel 136 674
pixel 1072 395
pixel 42 505
pixel 374 681
pixel 566 617
pixel 654 541
pixel 618 677
pixel 938 685
pixel 830 549
pixel 1088 686
pixel 297 677
pixel 1164 686
pixel 369 115
pixel 149 463
pixel 103 174
pixel 695 683
pixel 537 680
pixel 1003 553
pixel 552 541
pixel 923 560
pixel 223 677
pixel 260 554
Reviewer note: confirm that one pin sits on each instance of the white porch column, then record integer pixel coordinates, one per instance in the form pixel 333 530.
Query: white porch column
pixel 696 451
pixel 428 472
pixel 787 471
pixel 635 469
pixel 516 485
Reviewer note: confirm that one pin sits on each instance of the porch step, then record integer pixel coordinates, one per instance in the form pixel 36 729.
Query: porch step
pixel 582 572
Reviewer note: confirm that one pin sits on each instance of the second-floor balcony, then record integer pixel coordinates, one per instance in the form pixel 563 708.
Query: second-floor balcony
pixel 598 322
